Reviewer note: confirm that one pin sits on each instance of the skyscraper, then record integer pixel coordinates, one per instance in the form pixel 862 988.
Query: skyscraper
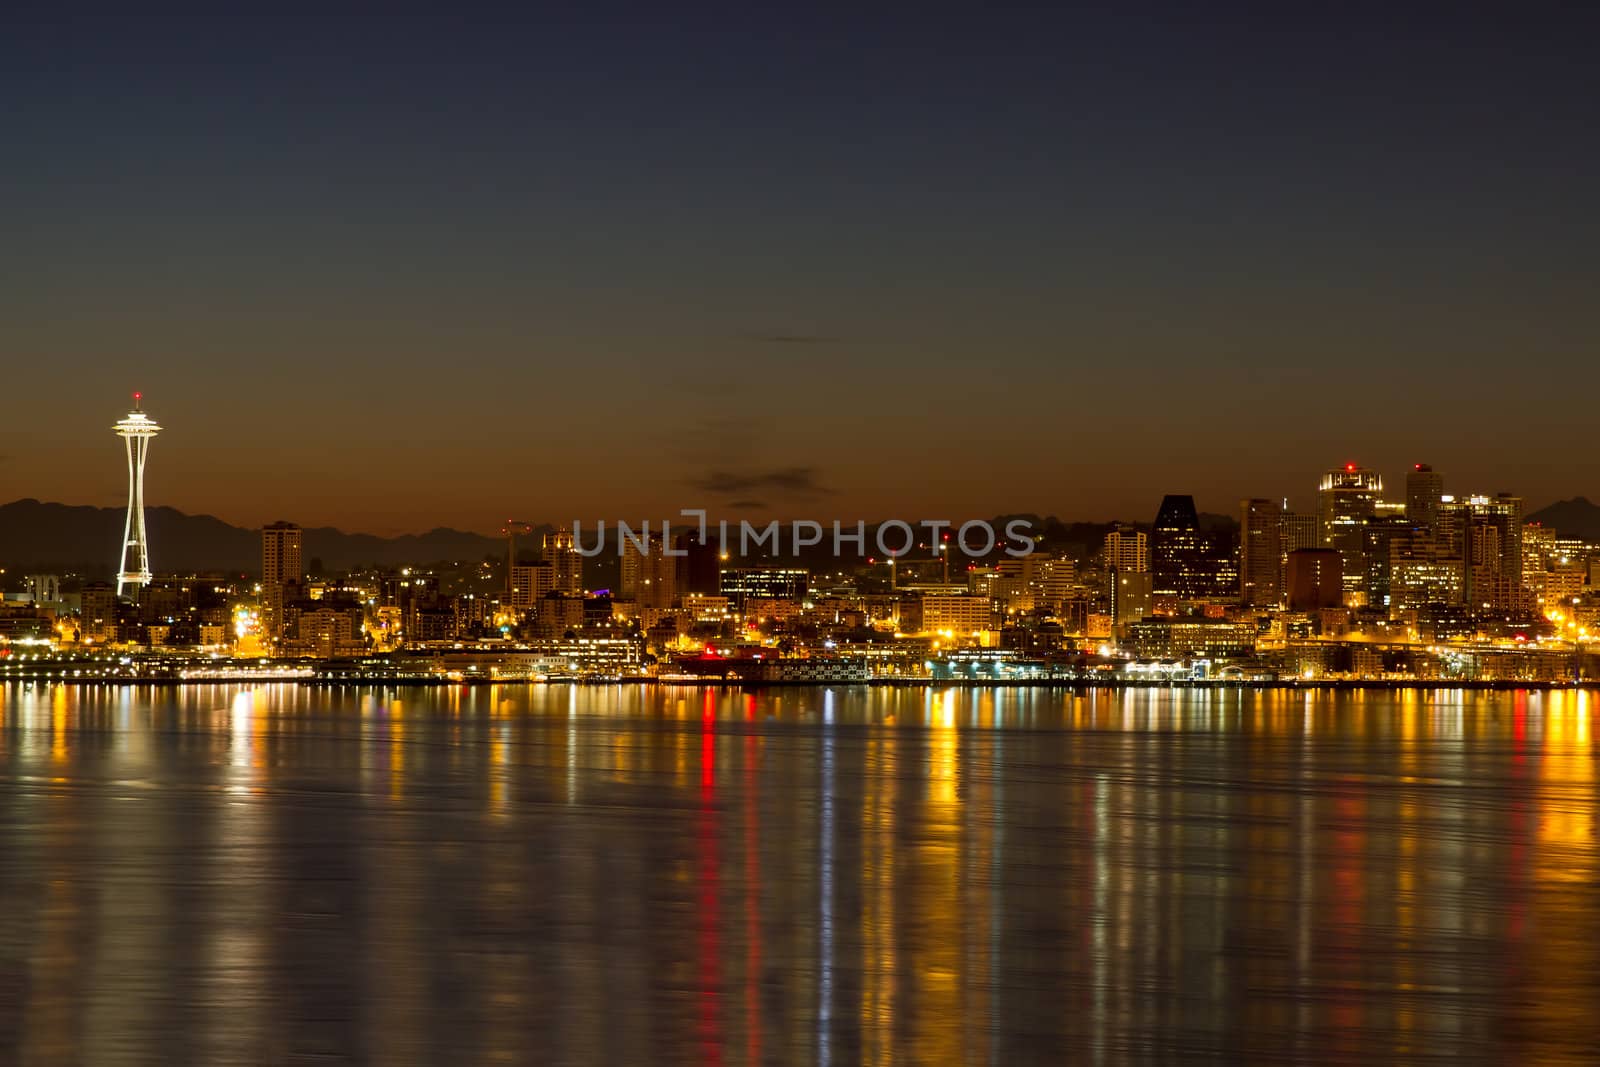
pixel 1127 550
pixel 1315 581
pixel 700 564
pixel 1538 548
pixel 1176 549
pixel 136 431
pixel 1379 538
pixel 1347 500
pixel 282 545
pixel 1422 573
pixel 648 576
pixel 1488 531
pixel 1260 552
pixel 1299 531
pixel 1424 493
pixel 530 583
pixel 562 554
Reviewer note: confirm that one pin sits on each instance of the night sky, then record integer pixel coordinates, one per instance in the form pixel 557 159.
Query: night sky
pixel 393 273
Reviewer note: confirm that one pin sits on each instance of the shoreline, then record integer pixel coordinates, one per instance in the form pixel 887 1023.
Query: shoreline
pixel 1308 685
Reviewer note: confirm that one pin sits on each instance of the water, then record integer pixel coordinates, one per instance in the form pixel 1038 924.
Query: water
pixel 588 875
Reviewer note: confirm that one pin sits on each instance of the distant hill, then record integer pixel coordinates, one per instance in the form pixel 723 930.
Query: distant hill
pixel 62 537
pixel 1571 518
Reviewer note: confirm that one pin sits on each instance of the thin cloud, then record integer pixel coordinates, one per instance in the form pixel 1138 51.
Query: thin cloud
pixel 802 480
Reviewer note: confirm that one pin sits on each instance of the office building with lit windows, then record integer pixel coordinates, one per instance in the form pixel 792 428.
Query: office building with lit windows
pixel 1486 532
pixel 530 583
pixel 1347 500
pixel 1186 563
pixel 1539 551
pixel 1260 552
pixel 770 583
pixel 649 576
pixel 566 563
pixel 1422 572
pixel 1189 638
pixel 1127 549
pixel 1378 538
pixel 282 574
pixel 1176 550
pixel 960 616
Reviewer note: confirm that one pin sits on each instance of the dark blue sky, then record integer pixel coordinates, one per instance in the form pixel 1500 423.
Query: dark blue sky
pixel 394 272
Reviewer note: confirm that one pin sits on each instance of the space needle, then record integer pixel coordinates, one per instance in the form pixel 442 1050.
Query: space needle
pixel 136 430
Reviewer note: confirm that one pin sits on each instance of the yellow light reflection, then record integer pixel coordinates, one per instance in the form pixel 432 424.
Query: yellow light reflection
pixel 397 756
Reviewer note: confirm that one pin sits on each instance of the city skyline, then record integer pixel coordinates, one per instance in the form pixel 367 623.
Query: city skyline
pixel 1392 488
pixel 955 264
pixel 1218 509
pixel 800 533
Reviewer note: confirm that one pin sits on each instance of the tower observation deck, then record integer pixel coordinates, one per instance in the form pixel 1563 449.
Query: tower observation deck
pixel 136 429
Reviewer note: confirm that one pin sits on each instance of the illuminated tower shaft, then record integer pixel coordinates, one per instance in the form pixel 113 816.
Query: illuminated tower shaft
pixel 136 430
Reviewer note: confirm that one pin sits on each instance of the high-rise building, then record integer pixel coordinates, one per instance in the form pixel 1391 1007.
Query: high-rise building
pixel 566 562
pixel 326 629
pixel 1538 549
pixel 1379 537
pixel 1130 596
pixel 649 576
pixel 1219 566
pixel 1347 500
pixel 1010 587
pixel 1450 527
pixel 97 613
pixel 1488 531
pixel 1052 580
pixel 282 572
pixel 1552 571
pixel 1176 550
pixel 136 430
pixel 1560 585
pixel 1299 531
pixel 1424 494
pixel 700 565
pixel 1023 585
pixel 1127 549
pixel 1422 574
pixel 1315 579
pixel 1260 552
pixel 530 582
pixel 1187 564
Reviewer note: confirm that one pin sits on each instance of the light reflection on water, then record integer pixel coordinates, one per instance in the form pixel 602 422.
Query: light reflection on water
pixel 580 875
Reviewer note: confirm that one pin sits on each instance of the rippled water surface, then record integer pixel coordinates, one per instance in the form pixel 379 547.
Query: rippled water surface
pixel 558 874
